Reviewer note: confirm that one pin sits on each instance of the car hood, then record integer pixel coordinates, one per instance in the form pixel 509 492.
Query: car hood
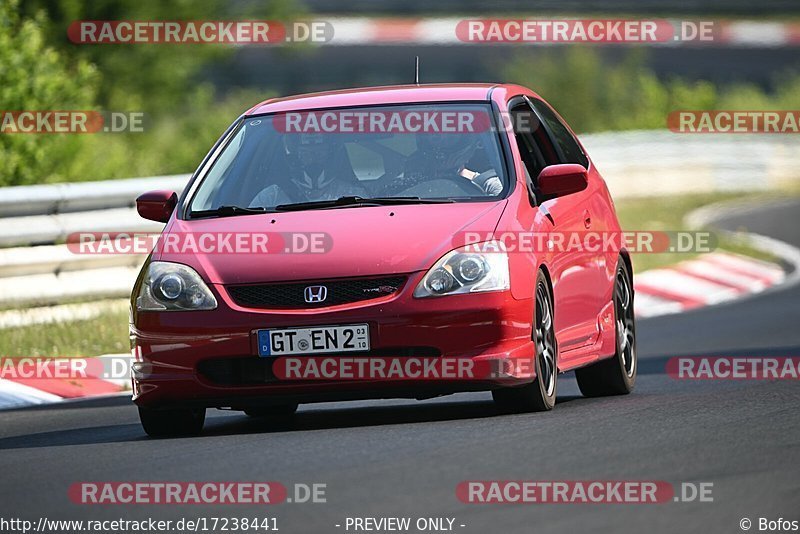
pixel 359 241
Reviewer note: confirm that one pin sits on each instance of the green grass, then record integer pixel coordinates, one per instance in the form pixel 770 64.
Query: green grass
pixel 92 337
pixel 667 214
pixel 661 214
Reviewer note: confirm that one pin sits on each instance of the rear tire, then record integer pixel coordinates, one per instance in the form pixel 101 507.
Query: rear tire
pixel 539 395
pixel 172 422
pixel 616 375
pixel 283 410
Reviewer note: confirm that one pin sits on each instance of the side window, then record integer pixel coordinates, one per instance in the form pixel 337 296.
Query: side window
pixel 530 153
pixel 221 167
pixel 534 145
pixel 566 141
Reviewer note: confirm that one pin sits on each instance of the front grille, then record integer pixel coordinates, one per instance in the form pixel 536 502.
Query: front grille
pixel 292 295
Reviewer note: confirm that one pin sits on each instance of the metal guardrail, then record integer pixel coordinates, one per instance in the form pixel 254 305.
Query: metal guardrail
pixel 48 229
pixel 81 196
pixel 46 214
pixel 659 162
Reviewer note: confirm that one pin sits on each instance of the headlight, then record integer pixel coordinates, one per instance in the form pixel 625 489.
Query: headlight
pixel 172 286
pixel 469 269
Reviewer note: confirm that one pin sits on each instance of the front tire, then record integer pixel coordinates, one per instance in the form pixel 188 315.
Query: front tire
pixel 172 422
pixel 539 395
pixel 616 375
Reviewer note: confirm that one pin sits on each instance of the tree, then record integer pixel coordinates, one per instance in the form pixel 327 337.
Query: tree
pixel 35 76
pixel 153 77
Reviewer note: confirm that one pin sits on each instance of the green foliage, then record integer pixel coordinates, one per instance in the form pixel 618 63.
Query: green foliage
pixel 41 70
pixel 173 144
pixel 150 77
pixel 593 95
pixel 34 76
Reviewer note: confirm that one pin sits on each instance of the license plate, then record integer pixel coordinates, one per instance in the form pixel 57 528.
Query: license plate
pixel 316 340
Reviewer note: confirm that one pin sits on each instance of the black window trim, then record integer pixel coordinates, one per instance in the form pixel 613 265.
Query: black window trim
pixel 552 136
pixel 186 196
pixel 533 189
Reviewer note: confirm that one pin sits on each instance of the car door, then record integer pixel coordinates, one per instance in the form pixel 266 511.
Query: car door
pixel 576 305
pixel 591 205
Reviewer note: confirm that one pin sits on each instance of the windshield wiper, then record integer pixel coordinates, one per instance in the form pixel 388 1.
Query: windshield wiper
pixel 227 211
pixel 360 201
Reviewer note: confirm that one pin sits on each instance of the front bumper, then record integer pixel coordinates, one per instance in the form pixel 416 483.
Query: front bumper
pixel 210 358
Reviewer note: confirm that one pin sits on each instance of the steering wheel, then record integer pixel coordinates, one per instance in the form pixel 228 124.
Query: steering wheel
pixel 480 180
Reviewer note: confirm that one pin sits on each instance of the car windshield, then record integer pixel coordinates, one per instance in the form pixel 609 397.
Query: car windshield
pixel 425 152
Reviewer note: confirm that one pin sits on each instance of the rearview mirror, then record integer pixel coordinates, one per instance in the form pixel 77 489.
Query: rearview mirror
pixel 563 179
pixel 156 205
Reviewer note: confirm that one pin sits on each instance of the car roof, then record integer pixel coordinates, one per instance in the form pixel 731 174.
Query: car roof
pixel 390 94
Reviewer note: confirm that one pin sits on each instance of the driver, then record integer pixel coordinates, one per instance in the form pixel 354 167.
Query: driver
pixel 311 177
pixel 446 155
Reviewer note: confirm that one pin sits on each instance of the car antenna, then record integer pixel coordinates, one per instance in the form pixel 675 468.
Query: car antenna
pixel 416 70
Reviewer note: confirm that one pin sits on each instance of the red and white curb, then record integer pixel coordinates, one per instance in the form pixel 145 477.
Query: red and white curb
pixel 710 279
pixel 360 31
pixel 45 389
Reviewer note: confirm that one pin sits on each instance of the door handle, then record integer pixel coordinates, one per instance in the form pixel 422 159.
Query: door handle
pixel 587 220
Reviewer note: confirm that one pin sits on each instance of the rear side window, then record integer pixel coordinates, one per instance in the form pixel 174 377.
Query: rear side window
pixel 566 141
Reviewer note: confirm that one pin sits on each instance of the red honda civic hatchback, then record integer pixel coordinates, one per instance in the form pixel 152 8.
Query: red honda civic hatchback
pixel 400 225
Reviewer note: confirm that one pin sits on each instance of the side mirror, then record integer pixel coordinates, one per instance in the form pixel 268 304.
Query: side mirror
pixel 563 179
pixel 156 205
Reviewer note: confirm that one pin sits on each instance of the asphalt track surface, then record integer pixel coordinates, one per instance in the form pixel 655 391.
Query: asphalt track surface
pixel 403 458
